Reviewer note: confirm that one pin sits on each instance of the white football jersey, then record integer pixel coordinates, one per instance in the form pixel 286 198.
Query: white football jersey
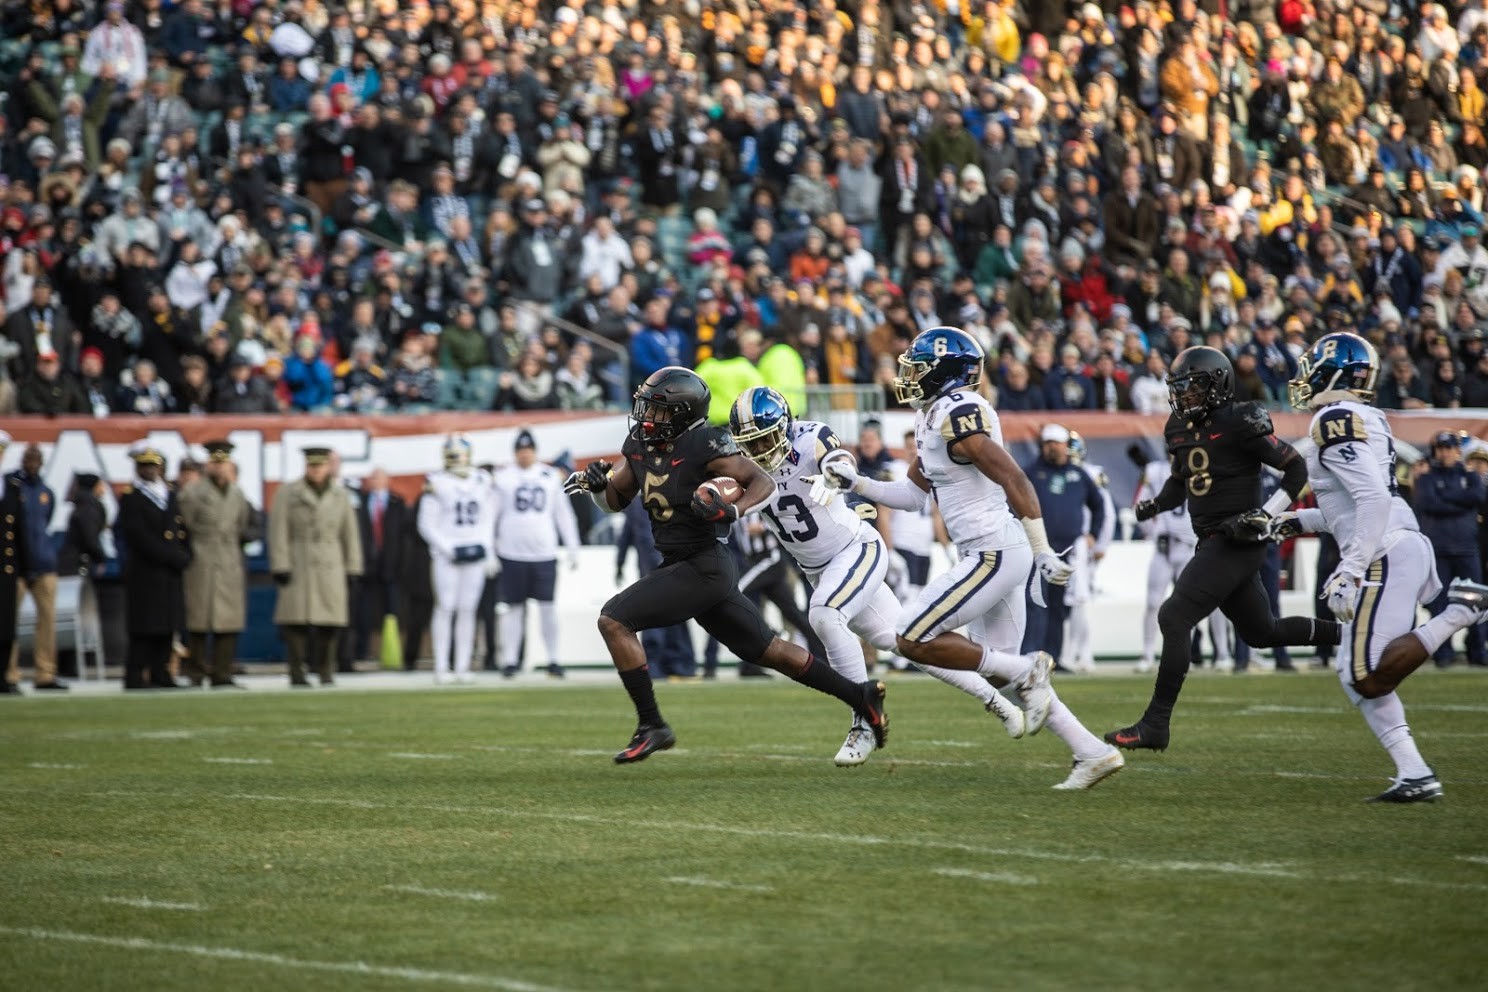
pixel 1174 524
pixel 532 514
pixel 813 534
pixel 458 512
pixel 1351 464
pixel 911 531
pixel 974 508
pixel 1108 522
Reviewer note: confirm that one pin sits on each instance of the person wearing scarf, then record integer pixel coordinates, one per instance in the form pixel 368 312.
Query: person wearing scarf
pixel 155 550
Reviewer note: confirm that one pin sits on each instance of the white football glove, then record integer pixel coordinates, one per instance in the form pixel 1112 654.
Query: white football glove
pixel 493 567
pixel 1284 526
pixel 841 473
pixel 1341 592
pixel 823 492
pixel 1053 569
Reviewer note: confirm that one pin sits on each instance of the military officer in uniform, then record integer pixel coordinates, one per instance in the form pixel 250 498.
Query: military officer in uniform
pixel 220 521
pixel 15 562
pixel 156 552
pixel 314 547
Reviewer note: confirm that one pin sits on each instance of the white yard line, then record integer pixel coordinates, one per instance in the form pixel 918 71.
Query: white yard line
pixel 713 883
pixel 143 903
pixel 280 960
pixel 239 761
pixel 1005 877
pixel 415 756
pixel 53 765
pixel 1474 859
pixel 419 890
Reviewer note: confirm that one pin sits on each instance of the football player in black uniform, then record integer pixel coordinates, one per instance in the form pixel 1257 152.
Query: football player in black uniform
pixel 669 452
pixel 1218 448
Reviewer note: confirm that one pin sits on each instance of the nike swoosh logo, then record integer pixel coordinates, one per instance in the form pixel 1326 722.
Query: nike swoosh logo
pixel 632 752
pixel 677 461
pixel 1128 738
pixel 1215 437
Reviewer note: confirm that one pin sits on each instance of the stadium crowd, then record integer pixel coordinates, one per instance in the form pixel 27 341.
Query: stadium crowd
pixel 244 206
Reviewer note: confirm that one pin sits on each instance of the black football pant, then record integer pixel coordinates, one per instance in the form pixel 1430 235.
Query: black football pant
pixel 1225 576
pixel 312 647
pixel 414 625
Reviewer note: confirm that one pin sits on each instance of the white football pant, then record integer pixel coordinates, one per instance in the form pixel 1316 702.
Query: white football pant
pixel 457 593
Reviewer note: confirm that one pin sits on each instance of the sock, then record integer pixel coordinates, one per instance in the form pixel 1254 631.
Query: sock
pixel 637 682
pixel 547 614
pixel 439 637
pixel 512 621
pixel 464 641
pixel 1327 633
pixel 1003 665
pixel 823 679
pixel 1439 629
pixel 968 682
pixel 1068 728
pixel 1077 641
pixel 1386 717
pixel 1149 633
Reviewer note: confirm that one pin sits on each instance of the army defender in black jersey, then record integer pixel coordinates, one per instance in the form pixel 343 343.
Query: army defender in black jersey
pixel 668 454
pixel 1218 449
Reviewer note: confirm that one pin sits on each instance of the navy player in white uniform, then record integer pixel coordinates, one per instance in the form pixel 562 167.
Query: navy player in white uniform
pixel 961 462
pixel 533 515
pixel 456 518
pixel 1386 567
pixel 841 553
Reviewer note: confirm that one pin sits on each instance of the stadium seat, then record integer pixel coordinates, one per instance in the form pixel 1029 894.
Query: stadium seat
pixel 451 388
pixel 481 385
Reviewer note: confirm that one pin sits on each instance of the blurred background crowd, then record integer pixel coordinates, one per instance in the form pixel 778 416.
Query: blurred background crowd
pixel 295 205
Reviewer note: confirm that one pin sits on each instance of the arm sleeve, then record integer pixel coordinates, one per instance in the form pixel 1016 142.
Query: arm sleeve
pixel 901 494
pixel 1172 494
pixel 428 523
pixel 1312 521
pixel 1107 531
pixel 568 524
pixel 1095 502
pixel 1363 478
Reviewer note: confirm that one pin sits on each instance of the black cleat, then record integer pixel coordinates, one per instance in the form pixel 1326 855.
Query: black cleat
pixel 1410 790
pixel 1140 736
pixel 510 672
pixel 872 710
pixel 647 741
pixel 49 687
pixel 555 671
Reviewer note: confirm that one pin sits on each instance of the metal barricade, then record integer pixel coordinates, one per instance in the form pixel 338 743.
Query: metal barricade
pixel 844 408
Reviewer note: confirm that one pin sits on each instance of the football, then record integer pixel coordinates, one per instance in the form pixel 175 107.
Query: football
pixel 727 489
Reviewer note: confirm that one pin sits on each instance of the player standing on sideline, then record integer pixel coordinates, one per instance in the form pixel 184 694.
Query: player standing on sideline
pixel 961 461
pixel 532 516
pixel 1218 449
pixel 1073 513
pixel 842 554
pixel 457 519
pixel 1387 567
pixel 1173 542
pixel 1079 645
pixel 669 452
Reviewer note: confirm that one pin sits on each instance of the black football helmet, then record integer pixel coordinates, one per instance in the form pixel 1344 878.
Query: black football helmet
pixel 671 400
pixel 1200 381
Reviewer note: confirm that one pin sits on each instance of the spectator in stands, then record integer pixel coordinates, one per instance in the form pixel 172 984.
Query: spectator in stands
pixel 48 390
pixel 310 379
pixel 144 393
pixel 529 387
pixel 1068 387
pixel 243 392
pixel 39 579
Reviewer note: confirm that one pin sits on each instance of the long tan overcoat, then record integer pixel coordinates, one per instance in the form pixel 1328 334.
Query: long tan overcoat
pixel 313 536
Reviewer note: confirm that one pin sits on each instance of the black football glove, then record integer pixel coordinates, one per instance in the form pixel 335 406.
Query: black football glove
pixel 1147 509
pixel 593 479
pixel 713 509
pixel 1250 527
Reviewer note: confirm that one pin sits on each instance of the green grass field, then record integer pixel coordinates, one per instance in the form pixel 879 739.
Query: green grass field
pixel 482 838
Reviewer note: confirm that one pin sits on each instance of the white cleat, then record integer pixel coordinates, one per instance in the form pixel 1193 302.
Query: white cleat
pixel 1036 692
pixel 465 678
pixel 1473 595
pixel 1011 716
pixel 856 749
pixel 1224 664
pixel 1144 666
pixel 1091 772
pixel 443 678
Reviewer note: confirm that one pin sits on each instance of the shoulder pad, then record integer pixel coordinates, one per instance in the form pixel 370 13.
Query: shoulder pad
pixel 827 438
pixel 1338 425
pixel 429 484
pixel 719 443
pixel 965 420
pixel 1252 420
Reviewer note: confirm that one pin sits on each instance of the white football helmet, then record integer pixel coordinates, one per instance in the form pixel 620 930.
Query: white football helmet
pixel 457 453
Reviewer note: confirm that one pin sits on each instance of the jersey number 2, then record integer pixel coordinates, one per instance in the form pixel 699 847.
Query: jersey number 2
pixel 796 506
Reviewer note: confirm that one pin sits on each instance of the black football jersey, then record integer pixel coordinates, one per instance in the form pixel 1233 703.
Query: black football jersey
pixel 669 474
pixel 1219 462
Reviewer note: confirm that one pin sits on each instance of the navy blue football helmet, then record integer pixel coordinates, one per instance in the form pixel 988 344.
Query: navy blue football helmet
pixel 1339 366
pixel 760 422
pixel 938 360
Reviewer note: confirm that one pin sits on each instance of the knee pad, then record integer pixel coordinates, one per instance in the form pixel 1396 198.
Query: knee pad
pixel 824 619
pixel 1178 615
